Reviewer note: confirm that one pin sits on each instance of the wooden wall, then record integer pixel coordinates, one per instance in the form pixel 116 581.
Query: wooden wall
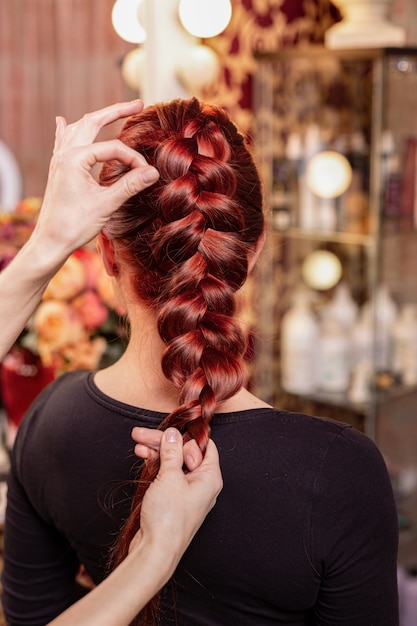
pixel 57 57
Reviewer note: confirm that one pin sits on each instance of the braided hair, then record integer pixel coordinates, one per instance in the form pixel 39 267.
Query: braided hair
pixel 187 240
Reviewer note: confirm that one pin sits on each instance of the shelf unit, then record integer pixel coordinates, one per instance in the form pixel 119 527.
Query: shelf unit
pixel 371 93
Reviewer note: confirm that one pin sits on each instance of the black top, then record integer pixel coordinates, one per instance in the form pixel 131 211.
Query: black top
pixel 304 531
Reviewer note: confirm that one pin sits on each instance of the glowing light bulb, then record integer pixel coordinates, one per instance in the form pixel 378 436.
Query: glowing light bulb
pixel 133 68
pixel 125 20
pixel 198 69
pixel 205 18
pixel 321 269
pixel 329 174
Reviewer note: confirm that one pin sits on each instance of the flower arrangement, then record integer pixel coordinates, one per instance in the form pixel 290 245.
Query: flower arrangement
pixel 16 227
pixel 78 320
pixel 78 323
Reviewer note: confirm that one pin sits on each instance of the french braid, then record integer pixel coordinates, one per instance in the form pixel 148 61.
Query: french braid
pixel 189 237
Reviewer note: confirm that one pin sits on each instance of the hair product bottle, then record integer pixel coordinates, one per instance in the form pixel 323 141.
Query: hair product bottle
pixel 404 345
pixel 334 355
pixel 285 179
pixel 343 307
pixel 390 184
pixel 362 338
pixel 385 311
pixel 299 346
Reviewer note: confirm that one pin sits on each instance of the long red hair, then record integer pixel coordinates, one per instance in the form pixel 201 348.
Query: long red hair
pixel 188 239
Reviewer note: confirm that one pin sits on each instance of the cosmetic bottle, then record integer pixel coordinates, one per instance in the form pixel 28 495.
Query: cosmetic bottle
pixel 404 345
pixel 385 310
pixel 299 346
pixel 334 355
pixel 361 336
pixel 391 184
pixel 343 307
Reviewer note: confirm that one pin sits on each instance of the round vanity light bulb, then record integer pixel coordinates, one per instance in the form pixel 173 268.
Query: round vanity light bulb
pixel 321 269
pixel 133 68
pixel 205 18
pixel 329 174
pixel 198 69
pixel 125 21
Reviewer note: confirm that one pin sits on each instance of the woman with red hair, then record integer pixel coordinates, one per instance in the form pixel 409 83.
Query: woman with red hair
pixel 177 503
pixel 305 530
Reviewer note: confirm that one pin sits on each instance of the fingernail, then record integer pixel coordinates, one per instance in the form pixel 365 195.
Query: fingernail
pixel 150 175
pixel 172 435
pixel 190 461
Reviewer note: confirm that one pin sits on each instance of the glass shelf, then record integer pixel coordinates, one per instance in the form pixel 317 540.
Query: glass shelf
pixel 327 236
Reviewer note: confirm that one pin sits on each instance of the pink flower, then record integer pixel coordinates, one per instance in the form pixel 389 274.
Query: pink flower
pixel 93 265
pixel 7 254
pixel 91 309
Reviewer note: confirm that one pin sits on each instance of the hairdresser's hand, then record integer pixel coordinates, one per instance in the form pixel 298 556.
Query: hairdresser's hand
pixel 176 503
pixel 75 207
pixel 148 444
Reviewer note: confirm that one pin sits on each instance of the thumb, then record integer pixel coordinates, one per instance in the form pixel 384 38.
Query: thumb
pixel 61 124
pixel 171 453
pixel 133 182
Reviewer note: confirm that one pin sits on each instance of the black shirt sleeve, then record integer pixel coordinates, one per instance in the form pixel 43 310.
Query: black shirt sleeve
pixel 354 536
pixel 41 565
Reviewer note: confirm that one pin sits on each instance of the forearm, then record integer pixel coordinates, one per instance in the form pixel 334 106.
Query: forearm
pixel 123 594
pixel 22 284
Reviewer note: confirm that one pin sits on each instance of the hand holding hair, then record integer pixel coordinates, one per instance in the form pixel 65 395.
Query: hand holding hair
pixel 177 502
pixel 75 208
pixel 173 509
pixel 148 444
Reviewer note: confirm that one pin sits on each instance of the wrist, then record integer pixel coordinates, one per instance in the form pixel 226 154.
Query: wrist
pixel 45 257
pixel 161 558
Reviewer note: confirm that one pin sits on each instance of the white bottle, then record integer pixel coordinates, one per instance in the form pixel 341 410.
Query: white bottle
pixel 299 344
pixel 343 307
pixel 386 311
pixel 334 356
pixel 360 383
pixel 404 353
pixel 361 336
pixel 326 215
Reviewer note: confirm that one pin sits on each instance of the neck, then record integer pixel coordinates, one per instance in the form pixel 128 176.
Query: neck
pixel 137 378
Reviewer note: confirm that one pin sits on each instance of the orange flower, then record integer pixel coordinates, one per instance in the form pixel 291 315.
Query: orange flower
pixel 68 282
pixel 84 355
pixel 70 327
pixel 57 325
pixel 106 292
pixel 93 265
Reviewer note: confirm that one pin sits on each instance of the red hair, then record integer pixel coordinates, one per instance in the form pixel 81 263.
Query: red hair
pixel 188 239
